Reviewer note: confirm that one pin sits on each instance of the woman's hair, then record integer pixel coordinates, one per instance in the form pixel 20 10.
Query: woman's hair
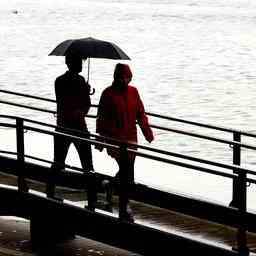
pixel 121 69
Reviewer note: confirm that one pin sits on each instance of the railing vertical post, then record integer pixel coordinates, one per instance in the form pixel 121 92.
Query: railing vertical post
pixel 123 186
pixel 236 161
pixel 241 234
pixel 91 191
pixel 22 185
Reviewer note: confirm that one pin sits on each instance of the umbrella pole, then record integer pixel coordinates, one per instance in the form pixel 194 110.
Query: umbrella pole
pixel 88 75
pixel 88 70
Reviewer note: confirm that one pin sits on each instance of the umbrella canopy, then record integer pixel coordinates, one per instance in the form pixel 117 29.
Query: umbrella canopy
pixel 90 48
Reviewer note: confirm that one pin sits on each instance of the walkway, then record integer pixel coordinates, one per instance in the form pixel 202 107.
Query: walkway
pixel 15 233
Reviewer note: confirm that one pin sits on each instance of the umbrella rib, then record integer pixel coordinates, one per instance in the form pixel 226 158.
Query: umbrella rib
pixel 120 52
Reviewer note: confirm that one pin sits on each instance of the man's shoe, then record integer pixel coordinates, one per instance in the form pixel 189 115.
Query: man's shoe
pixel 127 216
pixel 106 185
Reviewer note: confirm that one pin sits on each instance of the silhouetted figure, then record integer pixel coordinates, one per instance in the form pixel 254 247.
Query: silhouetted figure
pixel 120 107
pixel 73 103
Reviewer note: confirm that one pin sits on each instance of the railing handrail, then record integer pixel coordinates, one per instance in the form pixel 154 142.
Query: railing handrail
pixel 32 96
pixel 207 137
pixel 5 152
pixel 35 108
pixel 28 107
pixel 190 166
pixel 27 95
pixel 197 135
pixel 155 150
pixel 112 143
pixel 80 169
pixel 204 125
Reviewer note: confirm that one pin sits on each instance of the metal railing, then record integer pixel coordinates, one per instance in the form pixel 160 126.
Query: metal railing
pixel 235 143
pixel 239 174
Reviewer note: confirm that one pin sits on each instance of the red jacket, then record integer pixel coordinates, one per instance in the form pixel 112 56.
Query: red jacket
pixel 118 113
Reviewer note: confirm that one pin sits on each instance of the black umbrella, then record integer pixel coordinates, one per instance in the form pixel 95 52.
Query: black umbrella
pixel 89 48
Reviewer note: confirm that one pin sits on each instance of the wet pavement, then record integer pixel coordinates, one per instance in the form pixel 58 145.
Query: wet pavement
pixel 15 232
pixel 15 241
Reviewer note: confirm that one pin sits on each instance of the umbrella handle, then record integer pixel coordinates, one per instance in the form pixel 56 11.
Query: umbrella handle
pixel 92 91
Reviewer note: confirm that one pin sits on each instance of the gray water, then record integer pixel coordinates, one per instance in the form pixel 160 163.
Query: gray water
pixel 192 60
